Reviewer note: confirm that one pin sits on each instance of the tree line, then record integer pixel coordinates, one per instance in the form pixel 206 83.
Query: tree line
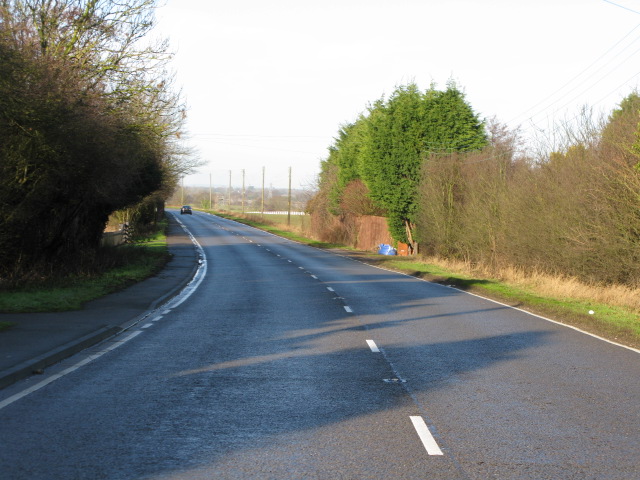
pixel 465 189
pixel 379 156
pixel 89 124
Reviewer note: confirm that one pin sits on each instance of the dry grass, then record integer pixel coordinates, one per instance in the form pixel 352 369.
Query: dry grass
pixel 299 224
pixel 564 299
pixel 560 287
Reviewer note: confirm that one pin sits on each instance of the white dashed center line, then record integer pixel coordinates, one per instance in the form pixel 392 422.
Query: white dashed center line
pixel 372 345
pixel 425 435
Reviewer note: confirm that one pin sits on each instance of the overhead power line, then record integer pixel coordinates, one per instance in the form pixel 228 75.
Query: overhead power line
pixel 621 6
pixel 576 77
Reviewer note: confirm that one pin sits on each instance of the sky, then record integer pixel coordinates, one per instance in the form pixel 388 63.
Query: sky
pixel 269 83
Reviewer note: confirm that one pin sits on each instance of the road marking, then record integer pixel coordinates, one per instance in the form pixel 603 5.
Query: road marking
pixel 348 309
pixel 53 378
pixel 195 282
pixel 289 261
pixel 159 317
pixel 394 380
pixel 147 325
pixel 313 276
pixel 301 268
pixel 508 306
pixel 330 289
pixel 177 300
pixel 372 345
pixel 425 435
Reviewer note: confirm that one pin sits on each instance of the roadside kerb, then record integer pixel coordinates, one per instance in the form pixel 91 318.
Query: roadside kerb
pixel 33 366
pixel 176 276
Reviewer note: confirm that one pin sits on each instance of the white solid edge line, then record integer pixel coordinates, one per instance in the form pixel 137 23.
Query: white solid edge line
pixel 372 345
pixel 425 435
pixel 554 321
pixel 53 378
pixel 503 304
pixel 198 277
pixel 479 296
pixel 181 297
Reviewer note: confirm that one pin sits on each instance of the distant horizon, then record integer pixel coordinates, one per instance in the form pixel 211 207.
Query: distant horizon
pixel 247 186
pixel 276 88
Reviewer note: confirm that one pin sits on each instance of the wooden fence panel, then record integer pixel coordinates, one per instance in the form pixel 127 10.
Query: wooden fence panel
pixel 372 231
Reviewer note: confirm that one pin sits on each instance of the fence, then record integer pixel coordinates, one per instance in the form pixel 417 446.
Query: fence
pixel 371 232
pixel 276 213
pixel 113 239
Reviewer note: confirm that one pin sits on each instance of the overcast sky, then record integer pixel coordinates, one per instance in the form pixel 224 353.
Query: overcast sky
pixel 269 83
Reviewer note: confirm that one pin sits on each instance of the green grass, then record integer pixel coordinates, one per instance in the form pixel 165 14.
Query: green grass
pixel 612 322
pixel 276 230
pixel 137 262
pixel 615 323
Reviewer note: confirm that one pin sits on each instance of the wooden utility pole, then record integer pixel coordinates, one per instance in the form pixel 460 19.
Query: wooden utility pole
pixel 243 190
pixel 289 211
pixel 263 191
pixel 229 193
pixel 210 195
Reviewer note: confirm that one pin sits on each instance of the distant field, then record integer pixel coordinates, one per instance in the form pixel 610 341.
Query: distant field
pixel 298 221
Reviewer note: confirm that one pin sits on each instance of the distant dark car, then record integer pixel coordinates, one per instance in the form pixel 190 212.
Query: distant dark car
pixel 186 209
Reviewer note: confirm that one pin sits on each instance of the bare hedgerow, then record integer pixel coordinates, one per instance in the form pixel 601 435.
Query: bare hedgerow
pixel 574 213
pixel 89 125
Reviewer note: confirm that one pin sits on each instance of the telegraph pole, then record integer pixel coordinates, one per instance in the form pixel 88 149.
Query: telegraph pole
pixel 229 193
pixel 210 195
pixel 289 211
pixel 243 190
pixel 263 191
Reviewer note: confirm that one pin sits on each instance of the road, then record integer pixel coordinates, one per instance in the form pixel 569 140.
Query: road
pixel 288 362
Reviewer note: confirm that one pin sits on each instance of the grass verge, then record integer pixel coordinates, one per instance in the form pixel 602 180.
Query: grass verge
pixel 617 323
pixel 614 322
pixel 277 230
pixel 135 262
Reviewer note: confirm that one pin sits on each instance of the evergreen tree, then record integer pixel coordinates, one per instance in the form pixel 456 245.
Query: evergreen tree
pixel 401 133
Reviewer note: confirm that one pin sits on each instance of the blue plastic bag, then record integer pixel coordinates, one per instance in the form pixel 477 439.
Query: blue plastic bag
pixel 384 249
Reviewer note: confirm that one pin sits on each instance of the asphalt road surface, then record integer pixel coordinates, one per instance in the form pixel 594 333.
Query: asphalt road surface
pixel 288 362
